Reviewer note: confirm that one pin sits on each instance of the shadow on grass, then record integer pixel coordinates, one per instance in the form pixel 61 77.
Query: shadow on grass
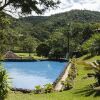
pixel 88 57
pixel 88 91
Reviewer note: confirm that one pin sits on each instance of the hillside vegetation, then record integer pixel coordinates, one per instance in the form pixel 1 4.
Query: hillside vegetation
pixel 30 34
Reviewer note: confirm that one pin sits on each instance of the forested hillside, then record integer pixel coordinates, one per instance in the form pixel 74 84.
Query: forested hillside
pixel 41 27
pixel 52 31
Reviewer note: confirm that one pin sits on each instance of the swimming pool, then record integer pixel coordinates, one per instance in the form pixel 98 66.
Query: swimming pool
pixel 27 75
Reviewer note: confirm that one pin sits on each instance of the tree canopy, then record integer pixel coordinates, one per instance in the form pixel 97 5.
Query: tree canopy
pixel 50 33
pixel 27 6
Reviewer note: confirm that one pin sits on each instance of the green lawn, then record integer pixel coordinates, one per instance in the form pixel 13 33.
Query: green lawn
pixel 32 55
pixel 79 92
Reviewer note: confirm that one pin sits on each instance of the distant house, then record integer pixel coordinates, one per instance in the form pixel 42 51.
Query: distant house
pixel 11 55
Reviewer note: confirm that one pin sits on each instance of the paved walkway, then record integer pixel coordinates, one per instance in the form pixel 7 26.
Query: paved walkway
pixel 58 86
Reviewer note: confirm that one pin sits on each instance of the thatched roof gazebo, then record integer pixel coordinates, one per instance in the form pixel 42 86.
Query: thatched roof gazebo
pixel 11 55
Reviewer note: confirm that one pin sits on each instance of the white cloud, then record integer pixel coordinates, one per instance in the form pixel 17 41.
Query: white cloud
pixel 67 5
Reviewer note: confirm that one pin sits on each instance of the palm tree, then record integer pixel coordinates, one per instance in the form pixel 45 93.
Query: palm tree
pixel 95 67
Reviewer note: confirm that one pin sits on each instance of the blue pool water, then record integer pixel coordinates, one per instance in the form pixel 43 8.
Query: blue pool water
pixel 27 75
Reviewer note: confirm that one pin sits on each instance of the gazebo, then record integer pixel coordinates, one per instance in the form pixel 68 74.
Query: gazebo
pixel 11 55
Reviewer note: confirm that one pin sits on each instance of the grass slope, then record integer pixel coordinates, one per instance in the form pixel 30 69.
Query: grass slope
pixel 79 92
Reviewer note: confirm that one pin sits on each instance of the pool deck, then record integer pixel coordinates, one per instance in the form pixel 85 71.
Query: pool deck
pixel 58 85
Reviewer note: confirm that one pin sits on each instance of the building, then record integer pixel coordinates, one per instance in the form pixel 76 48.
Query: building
pixel 10 55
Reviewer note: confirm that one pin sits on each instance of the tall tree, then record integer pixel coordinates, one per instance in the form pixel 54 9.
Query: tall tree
pixel 43 50
pixel 29 44
pixel 4 23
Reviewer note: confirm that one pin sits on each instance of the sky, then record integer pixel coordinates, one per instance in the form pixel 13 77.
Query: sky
pixel 67 5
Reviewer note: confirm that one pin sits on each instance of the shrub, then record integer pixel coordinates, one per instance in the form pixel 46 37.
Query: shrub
pixel 68 83
pixel 37 89
pixel 4 83
pixel 48 88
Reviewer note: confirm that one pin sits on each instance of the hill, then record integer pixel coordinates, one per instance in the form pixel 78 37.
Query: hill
pixel 53 30
pixel 49 24
pixel 73 15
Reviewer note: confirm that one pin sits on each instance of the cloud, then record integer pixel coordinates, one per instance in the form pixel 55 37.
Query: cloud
pixel 67 5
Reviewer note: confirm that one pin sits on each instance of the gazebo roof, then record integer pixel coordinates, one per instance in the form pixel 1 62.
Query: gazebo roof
pixel 11 55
